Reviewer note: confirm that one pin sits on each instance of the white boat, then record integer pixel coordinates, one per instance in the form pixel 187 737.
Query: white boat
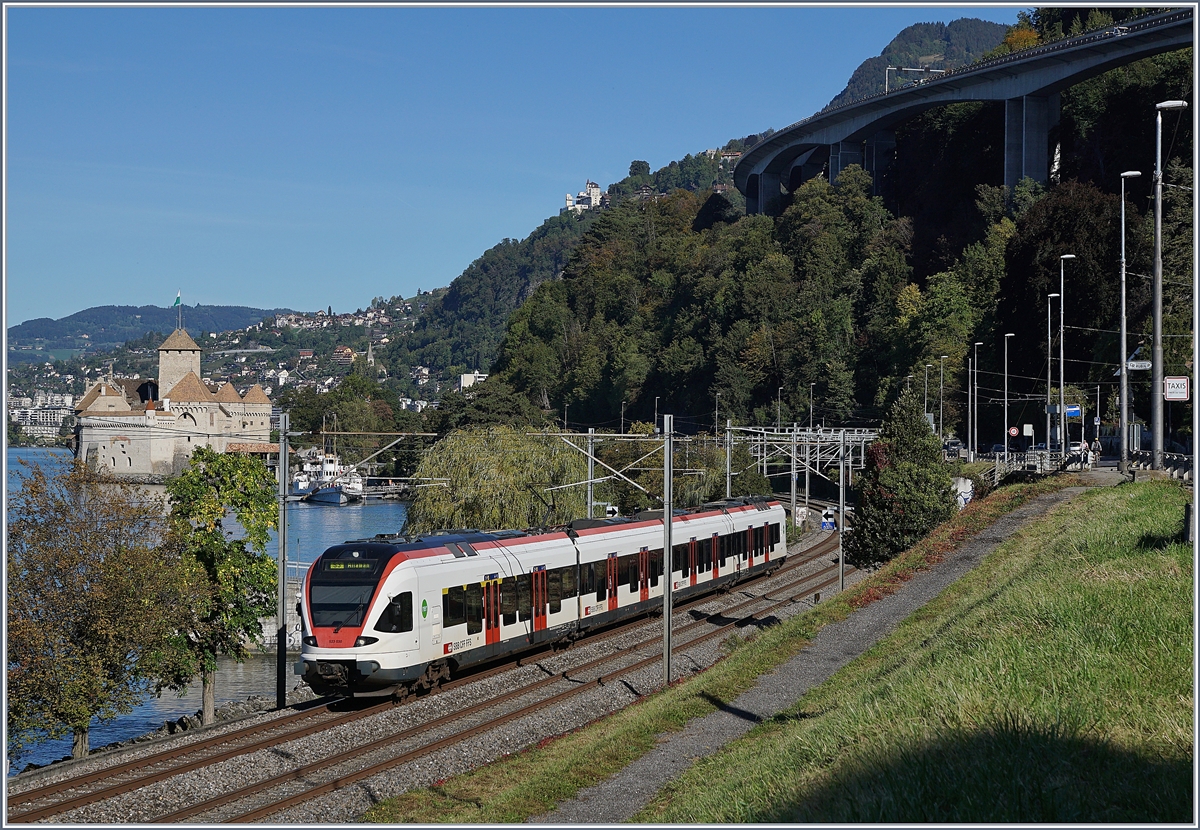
pixel 323 478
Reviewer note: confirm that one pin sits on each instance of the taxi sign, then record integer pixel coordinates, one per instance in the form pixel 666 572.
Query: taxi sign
pixel 1176 389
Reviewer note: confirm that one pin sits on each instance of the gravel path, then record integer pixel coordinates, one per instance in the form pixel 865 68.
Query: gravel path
pixel 621 796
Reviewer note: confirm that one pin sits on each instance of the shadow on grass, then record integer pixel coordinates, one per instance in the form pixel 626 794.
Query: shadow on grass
pixel 1015 772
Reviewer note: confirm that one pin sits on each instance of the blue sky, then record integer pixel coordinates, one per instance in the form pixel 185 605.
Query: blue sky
pixel 314 157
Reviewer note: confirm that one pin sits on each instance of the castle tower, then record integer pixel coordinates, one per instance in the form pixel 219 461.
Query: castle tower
pixel 177 356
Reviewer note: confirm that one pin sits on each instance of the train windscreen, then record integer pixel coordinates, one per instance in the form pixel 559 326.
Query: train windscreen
pixel 342 582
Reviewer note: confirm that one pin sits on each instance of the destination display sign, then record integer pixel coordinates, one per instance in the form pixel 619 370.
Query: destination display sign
pixel 1138 365
pixel 356 565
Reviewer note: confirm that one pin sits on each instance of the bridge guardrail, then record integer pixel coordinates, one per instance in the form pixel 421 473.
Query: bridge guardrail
pixel 1176 465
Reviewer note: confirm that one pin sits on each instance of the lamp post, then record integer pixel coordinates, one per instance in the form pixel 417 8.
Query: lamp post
pixel 1049 361
pixel 1062 394
pixel 928 366
pixel 622 417
pixel 941 387
pixel 1156 357
pixel 717 415
pixel 1010 334
pixel 656 397
pixel 975 429
pixel 810 405
pixel 1124 426
pixel 778 402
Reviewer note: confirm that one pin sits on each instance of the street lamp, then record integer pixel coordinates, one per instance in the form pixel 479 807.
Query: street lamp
pixel 1049 360
pixel 1156 357
pixel 973 430
pixel 1128 174
pixel 1062 394
pixel 1010 334
pixel 941 386
pixel 928 366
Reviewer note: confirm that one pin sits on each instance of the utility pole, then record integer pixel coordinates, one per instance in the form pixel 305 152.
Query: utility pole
pixel 728 457
pixel 281 562
pixel 1124 427
pixel 842 513
pixel 668 564
pixel 591 466
pixel 1156 356
pixel 793 471
pixel 622 417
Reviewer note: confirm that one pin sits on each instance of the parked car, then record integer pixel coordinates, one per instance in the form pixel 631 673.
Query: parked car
pixel 1076 447
pixel 998 448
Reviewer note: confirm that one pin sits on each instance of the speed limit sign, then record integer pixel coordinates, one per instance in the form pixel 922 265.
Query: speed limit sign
pixel 1012 431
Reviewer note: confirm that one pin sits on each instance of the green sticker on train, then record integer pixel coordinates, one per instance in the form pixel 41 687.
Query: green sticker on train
pixel 424 608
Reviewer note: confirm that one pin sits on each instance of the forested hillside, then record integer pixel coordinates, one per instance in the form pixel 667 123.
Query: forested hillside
pixel 923 46
pixel 672 303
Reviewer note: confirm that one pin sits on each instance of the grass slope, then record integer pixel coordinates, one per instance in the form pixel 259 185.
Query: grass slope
pixel 532 782
pixel 1053 683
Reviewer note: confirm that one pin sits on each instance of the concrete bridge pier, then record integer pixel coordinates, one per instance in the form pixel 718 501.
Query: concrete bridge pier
pixel 762 188
pixel 1027 123
pixel 880 149
pixel 842 155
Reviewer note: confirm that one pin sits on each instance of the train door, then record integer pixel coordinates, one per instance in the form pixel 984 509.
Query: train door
pixel 491 610
pixel 644 574
pixel 766 541
pixel 613 581
pixel 750 545
pixel 541 597
pixel 693 560
pixel 716 561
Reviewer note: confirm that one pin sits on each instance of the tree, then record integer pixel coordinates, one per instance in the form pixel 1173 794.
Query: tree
pixel 496 477
pixel 905 490
pixel 238 575
pixel 93 601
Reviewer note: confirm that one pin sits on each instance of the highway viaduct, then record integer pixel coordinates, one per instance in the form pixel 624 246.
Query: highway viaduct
pixel 1029 83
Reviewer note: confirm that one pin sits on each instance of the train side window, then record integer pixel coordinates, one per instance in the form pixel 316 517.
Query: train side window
pixel 525 596
pixel 474 608
pixel 601 580
pixel 397 617
pixel 454 606
pixel 679 559
pixel 704 546
pixel 627 571
pixel 508 600
pixel 759 546
pixel 723 547
pixel 655 559
pixel 568 582
pixel 554 587
pixel 775 533
pixel 587 578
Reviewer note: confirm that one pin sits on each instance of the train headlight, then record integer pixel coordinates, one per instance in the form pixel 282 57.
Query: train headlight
pixel 365 641
pixel 309 640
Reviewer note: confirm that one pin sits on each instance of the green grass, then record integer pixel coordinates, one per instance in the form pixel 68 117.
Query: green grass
pixel 533 782
pixel 1053 683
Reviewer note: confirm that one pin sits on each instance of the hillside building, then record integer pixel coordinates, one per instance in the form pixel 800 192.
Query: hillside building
pixel 590 197
pixel 134 428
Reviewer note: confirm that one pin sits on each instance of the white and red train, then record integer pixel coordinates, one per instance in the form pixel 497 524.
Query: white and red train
pixel 396 613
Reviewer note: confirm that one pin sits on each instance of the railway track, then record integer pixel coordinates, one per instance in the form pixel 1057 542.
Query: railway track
pixel 418 739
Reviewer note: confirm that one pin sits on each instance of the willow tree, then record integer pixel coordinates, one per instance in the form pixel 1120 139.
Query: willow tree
pixel 93 601
pixel 239 578
pixel 497 477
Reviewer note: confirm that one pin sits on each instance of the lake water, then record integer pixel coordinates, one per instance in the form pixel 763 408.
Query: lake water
pixel 311 529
